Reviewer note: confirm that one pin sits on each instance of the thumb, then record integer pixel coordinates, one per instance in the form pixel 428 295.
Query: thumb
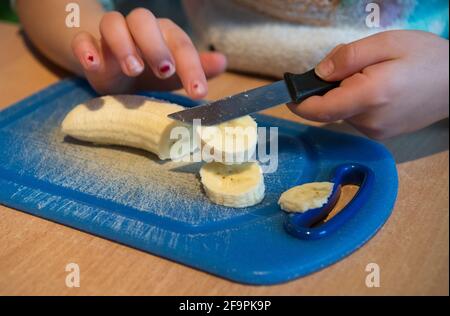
pixel 346 60
pixel 213 63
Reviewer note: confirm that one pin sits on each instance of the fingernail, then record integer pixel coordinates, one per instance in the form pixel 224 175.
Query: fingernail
pixel 90 61
pixel 134 66
pixel 198 88
pixel 325 68
pixel 166 70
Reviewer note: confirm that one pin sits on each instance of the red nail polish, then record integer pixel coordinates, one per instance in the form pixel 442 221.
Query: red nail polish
pixel 164 68
pixel 89 61
pixel 198 89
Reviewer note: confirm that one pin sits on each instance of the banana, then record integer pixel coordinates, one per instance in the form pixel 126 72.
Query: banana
pixel 126 120
pixel 305 197
pixel 231 142
pixel 142 122
pixel 233 185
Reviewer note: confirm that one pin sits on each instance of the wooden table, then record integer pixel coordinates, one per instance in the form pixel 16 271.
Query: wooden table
pixel 412 249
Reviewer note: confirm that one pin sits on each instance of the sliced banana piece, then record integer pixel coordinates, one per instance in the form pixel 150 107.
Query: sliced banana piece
pixel 127 120
pixel 231 142
pixel 305 197
pixel 233 185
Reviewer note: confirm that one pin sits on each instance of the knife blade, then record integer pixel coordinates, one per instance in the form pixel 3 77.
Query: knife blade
pixel 294 88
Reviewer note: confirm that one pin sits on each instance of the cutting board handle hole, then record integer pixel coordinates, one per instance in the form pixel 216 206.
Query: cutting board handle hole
pixel 348 192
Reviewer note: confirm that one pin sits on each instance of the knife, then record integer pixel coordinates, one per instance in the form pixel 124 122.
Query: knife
pixel 294 88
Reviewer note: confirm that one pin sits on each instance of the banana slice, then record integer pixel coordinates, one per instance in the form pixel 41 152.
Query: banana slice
pixel 305 197
pixel 231 142
pixel 127 120
pixel 233 185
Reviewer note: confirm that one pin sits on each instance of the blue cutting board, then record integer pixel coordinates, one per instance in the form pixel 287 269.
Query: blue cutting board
pixel 130 197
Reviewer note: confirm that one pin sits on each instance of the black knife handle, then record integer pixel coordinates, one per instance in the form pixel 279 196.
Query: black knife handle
pixel 306 85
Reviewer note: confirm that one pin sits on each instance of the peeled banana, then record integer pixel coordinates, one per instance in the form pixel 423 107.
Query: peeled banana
pixel 231 142
pixel 141 122
pixel 233 185
pixel 305 197
pixel 127 120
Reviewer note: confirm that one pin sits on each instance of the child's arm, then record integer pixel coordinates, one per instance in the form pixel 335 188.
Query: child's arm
pixel 393 83
pixel 44 23
pixel 119 54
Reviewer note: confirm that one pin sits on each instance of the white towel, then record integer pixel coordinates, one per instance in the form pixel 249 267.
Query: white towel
pixel 257 43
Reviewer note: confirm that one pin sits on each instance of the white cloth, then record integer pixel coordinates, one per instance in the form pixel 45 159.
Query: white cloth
pixel 256 43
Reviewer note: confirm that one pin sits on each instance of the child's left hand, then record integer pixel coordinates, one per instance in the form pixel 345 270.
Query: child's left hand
pixel 143 52
pixel 393 82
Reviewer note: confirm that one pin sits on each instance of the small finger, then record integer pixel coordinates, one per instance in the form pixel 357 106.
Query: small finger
pixel 114 30
pixel 85 49
pixel 145 30
pixel 351 58
pixel 187 59
pixel 213 63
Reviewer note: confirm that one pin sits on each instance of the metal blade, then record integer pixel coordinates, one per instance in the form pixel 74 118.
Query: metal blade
pixel 237 105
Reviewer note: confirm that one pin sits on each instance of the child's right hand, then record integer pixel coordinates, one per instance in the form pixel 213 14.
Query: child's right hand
pixel 393 82
pixel 142 52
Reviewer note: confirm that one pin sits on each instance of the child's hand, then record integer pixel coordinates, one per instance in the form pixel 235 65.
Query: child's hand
pixel 142 52
pixel 393 82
